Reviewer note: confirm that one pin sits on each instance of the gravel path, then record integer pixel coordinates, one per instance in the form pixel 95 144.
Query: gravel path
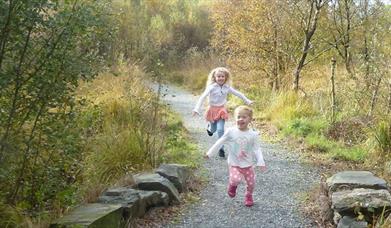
pixel 277 191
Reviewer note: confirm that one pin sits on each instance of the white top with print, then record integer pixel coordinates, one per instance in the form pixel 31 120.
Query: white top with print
pixel 218 96
pixel 242 147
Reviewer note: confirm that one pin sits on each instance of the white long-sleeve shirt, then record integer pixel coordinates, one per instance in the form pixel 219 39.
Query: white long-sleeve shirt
pixel 218 96
pixel 242 147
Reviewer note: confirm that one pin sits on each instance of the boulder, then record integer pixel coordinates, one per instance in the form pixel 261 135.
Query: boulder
pixel 156 182
pixel 175 173
pixel 94 215
pixel 135 202
pixel 365 200
pixel 350 222
pixel 154 198
pixel 354 179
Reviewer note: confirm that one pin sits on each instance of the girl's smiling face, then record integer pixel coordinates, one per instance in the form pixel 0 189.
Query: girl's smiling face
pixel 243 119
pixel 220 78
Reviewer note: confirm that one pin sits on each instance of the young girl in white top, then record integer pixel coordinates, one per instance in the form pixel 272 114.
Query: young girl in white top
pixel 218 87
pixel 243 153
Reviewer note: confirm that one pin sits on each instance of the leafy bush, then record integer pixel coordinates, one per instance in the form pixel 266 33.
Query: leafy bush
pixel 11 216
pixel 356 154
pixel 382 134
pixel 298 127
pixel 380 142
pixel 319 143
pixel 350 130
pixel 305 126
pixel 48 47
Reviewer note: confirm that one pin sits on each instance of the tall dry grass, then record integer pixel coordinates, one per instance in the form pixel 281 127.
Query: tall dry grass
pixel 127 129
pixel 120 128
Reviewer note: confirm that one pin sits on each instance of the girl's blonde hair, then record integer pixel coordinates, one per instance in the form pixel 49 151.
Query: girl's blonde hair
pixel 212 75
pixel 244 108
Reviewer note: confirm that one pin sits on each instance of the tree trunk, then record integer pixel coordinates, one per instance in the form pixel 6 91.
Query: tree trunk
pixel 5 31
pixel 346 36
pixel 366 53
pixel 333 100
pixel 389 97
pixel 374 97
pixel 18 183
pixel 310 29
pixel 342 18
pixel 276 84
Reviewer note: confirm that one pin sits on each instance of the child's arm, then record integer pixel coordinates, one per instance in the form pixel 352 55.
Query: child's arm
pixel 258 153
pixel 201 100
pixel 213 150
pixel 240 95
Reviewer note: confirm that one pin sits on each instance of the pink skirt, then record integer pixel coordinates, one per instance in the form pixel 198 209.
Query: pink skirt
pixel 215 113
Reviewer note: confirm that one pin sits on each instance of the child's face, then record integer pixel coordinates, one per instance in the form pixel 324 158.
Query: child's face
pixel 220 78
pixel 243 119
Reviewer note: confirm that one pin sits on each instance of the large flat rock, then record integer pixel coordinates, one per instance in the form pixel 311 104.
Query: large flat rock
pixel 93 215
pixel 135 202
pixel 349 200
pixel 355 179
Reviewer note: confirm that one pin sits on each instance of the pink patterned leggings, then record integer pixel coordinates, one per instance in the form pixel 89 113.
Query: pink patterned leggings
pixel 236 173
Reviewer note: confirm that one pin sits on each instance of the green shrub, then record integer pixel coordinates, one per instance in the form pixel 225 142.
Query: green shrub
pixel 305 126
pixel 11 216
pixel 356 154
pixel 319 143
pixel 351 130
pixel 382 135
pixel 297 127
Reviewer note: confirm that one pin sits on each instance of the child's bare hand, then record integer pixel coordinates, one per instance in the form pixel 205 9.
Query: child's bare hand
pixel 262 168
pixel 194 113
pixel 206 156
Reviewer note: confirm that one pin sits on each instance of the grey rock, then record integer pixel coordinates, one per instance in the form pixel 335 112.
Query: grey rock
pixel 350 222
pixel 355 179
pixel 368 199
pixel 157 183
pixel 176 173
pixel 337 216
pixel 154 198
pixel 94 215
pixel 135 202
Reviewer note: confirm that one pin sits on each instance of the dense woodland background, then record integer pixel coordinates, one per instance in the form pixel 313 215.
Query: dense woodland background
pixel 76 115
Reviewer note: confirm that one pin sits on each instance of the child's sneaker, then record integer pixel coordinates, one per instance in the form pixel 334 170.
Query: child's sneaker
pixel 232 191
pixel 249 201
pixel 221 153
pixel 209 132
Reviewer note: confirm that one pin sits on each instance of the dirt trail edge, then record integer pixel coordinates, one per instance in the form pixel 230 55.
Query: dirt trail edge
pixel 277 191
